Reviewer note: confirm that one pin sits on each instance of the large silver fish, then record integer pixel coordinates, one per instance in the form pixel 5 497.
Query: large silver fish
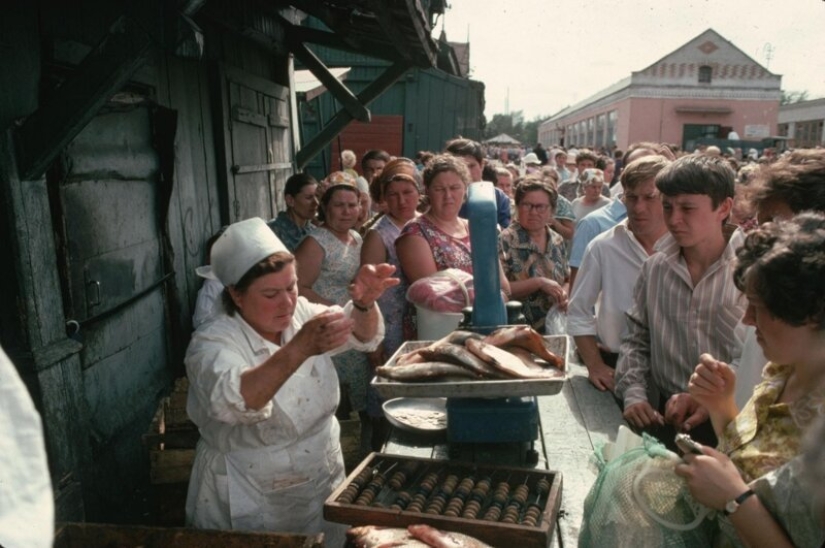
pixel 506 362
pixel 455 337
pixel 372 536
pixel 444 539
pixel 455 353
pixel 524 336
pixel 425 371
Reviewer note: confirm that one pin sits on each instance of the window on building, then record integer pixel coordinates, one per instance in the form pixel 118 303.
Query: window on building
pixel 600 127
pixel 611 127
pixel 705 74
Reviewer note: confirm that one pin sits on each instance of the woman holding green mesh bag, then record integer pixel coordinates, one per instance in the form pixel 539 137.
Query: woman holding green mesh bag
pixel 780 270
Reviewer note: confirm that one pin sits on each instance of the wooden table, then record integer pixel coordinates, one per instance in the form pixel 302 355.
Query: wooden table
pixel 572 424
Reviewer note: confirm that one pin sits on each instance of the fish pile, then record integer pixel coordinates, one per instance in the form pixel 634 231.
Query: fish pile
pixel 513 352
pixel 414 536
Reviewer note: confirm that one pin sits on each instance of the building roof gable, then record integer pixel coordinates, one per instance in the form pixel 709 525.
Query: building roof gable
pixel 707 49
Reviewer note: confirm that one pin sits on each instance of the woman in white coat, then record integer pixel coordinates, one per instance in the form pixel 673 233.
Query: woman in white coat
pixel 263 390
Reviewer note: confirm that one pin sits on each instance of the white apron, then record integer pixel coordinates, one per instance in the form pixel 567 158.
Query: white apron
pixel 280 481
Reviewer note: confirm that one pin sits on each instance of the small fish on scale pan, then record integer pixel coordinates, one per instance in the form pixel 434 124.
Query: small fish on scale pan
pixel 414 536
pixel 507 353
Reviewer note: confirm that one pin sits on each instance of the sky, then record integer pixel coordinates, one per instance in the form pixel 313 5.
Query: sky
pixel 540 56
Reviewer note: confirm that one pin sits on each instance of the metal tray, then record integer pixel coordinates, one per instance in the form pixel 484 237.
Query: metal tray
pixel 419 415
pixel 558 344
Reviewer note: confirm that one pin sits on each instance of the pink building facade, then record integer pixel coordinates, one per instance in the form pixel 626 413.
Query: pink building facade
pixel 706 88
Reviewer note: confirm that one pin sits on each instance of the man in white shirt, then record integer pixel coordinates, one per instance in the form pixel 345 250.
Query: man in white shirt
pixel 685 302
pixel 604 289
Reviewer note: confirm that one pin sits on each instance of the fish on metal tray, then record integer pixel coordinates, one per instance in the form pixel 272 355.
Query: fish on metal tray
pixel 444 539
pixel 417 356
pixel 524 336
pixel 425 371
pixel 459 354
pixel 372 536
pixel 529 359
pixel 504 361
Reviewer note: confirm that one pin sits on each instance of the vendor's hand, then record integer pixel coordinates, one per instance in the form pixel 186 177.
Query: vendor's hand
pixel 377 357
pixel 323 333
pixel 713 382
pixel 601 376
pixel 371 282
pixel 556 293
pixel 684 412
pixel 712 478
pixel 642 415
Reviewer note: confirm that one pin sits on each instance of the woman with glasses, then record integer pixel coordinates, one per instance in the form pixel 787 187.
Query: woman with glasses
pixel 533 256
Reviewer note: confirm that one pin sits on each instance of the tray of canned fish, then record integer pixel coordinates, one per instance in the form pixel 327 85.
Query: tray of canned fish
pixel 511 361
pixel 497 505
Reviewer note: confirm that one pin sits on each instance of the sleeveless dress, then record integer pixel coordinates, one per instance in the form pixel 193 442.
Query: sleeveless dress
pixel 339 267
pixel 448 252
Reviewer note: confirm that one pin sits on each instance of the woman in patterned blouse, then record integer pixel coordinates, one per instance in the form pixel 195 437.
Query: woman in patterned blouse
pixel 534 257
pixel 781 268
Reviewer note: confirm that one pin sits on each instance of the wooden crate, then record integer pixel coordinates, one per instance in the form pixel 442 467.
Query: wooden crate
pixel 495 533
pixel 171 439
pixel 98 535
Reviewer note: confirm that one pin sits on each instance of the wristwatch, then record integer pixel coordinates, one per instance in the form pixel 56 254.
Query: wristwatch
pixel 733 505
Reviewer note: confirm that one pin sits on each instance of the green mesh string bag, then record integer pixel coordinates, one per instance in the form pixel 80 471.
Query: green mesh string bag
pixel 639 501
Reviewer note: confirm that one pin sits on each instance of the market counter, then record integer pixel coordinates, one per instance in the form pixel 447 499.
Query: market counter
pixel 572 423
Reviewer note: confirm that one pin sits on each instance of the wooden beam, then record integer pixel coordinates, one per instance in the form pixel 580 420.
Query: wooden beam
pixel 383 15
pixel 338 122
pixel 103 72
pixel 338 90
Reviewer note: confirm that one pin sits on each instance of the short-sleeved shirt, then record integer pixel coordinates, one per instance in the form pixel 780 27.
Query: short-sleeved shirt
pixel 288 232
pixel 522 259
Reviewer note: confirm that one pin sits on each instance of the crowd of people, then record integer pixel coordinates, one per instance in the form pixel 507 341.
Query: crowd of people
pixel 692 285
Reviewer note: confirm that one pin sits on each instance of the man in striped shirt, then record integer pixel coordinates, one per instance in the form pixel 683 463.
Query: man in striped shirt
pixel 685 302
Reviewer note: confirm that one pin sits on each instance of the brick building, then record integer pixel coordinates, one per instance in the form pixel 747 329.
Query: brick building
pixel 706 88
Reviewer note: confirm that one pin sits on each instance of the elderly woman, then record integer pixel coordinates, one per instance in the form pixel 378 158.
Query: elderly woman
pixel 263 390
pixel 781 268
pixel 439 239
pixel 534 257
pixel 398 192
pixel 328 259
pixel 592 183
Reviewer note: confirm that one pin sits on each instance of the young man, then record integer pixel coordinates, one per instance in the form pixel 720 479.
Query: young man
pixel 685 302
pixel 473 155
pixel 301 207
pixel 609 271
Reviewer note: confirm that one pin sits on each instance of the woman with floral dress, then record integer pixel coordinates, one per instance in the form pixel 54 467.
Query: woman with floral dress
pixel 439 239
pixel 534 257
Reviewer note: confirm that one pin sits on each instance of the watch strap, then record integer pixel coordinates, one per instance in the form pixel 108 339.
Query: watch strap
pixel 733 505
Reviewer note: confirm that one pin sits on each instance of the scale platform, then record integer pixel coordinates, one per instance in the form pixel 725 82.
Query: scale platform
pixel 493 429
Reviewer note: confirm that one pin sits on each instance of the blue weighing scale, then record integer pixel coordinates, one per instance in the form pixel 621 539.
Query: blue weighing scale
pixel 484 429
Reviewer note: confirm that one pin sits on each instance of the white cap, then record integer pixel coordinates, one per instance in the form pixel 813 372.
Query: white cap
pixel 531 159
pixel 205 272
pixel 242 246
